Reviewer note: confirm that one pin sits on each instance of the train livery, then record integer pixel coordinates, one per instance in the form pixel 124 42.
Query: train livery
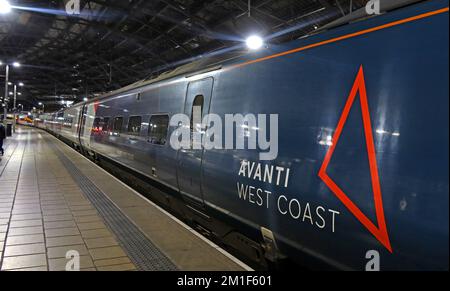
pixel 361 169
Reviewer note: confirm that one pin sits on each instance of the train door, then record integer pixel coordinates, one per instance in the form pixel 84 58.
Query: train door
pixel 82 122
pixel 190 160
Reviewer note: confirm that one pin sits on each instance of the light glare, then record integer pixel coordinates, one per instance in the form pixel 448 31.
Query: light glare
pixel 254 42
pixel 5 7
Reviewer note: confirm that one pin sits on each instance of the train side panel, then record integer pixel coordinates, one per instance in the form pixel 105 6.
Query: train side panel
pixel 405 75
pixel 70 124
pixel 118 141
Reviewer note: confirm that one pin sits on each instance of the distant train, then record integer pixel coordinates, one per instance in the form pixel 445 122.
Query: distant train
pixel 360 176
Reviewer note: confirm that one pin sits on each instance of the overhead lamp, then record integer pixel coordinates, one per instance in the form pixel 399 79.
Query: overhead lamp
pixel 85 99
pixel 21 84
pixel 254 42
pixel 16 64
pixel 5 7
pixel 19 93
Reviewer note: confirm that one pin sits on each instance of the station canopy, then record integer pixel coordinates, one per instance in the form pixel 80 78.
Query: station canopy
pixel 67 56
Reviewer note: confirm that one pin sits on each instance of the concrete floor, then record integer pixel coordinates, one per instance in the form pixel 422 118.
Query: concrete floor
pixel 44 214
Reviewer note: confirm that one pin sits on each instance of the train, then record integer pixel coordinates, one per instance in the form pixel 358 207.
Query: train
pixel 352 124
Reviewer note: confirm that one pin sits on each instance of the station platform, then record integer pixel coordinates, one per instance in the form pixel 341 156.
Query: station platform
pixel 54 201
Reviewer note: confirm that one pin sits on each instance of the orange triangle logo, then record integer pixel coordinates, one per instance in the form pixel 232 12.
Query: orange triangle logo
pixel 379 232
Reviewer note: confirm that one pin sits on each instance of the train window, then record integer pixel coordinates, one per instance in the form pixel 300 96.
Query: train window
pixel 105 124
pixel 68 122
pixel 118 123
pixel 198 103
pixel 157 130
pixel 134 125
pixel 96 125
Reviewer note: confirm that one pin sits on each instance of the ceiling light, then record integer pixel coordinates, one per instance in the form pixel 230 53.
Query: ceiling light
pixel 254 42
pixel 16 64
pixel 5 7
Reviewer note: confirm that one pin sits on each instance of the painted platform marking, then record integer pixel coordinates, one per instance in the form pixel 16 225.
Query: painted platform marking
pixel 380 232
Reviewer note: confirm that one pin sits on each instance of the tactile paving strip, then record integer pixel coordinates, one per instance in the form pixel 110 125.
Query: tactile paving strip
pixel 141 251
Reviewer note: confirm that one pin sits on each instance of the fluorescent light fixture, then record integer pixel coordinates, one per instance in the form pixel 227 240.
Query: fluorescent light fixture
pixel 16 64
pixel 5 7
pixel 21 84
pixel 254 42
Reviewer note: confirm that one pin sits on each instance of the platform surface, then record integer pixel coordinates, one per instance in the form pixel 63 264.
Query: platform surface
pixel 53 200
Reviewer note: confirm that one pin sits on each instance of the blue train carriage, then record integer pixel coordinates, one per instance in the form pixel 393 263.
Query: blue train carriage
pixel 357 171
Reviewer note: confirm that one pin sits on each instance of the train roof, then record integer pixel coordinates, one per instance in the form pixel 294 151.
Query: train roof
pixel 203 64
